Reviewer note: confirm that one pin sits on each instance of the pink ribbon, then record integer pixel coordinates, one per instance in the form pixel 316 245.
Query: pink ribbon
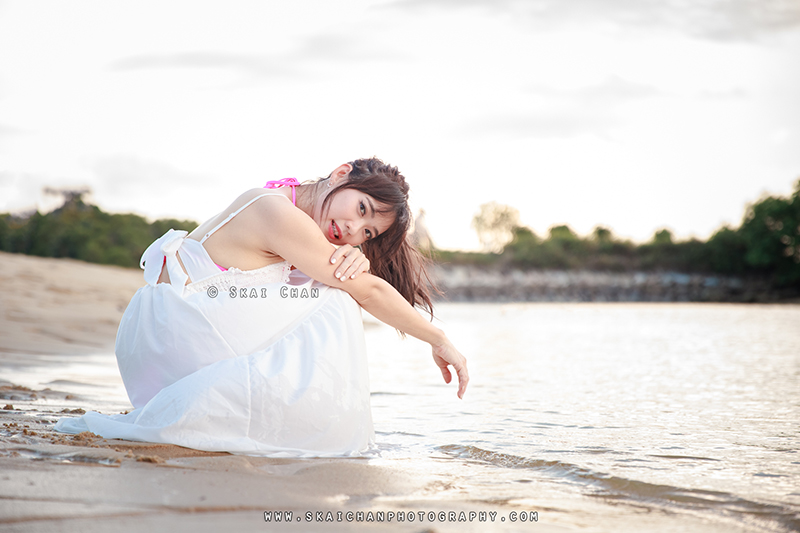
pixel 285 182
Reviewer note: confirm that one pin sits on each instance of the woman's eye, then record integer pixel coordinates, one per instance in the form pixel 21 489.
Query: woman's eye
pixel 362 208
pixel 369 234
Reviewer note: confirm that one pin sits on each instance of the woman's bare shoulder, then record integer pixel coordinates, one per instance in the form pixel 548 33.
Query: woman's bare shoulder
pixel 242 206
pixel 272 211
pixel 268 195
pixel 258 204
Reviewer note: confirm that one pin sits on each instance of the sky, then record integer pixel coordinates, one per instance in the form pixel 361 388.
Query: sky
pixel 636 115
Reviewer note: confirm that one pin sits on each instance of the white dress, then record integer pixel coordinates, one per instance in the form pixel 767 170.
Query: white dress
pixel 260 362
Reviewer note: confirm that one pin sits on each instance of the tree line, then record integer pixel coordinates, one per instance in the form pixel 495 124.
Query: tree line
pixel 766 244
pixel 83 231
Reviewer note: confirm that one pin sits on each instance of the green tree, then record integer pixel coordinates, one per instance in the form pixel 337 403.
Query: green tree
pixel 609 253
pixel 523 250
pixel 82 231
pixel 565 249
pixel 602 235
pixel 726 250
pixel 663 237
pixel 771 235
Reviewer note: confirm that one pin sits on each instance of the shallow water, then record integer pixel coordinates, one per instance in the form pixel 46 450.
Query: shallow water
pixel 599 417
pixel 606 416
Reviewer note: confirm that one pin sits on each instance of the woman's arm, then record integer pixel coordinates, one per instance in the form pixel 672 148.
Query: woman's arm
pixel 387 305
pixel 295 236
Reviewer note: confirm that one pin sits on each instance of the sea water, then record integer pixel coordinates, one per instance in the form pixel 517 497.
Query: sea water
pixel 596 417
pixel 604 417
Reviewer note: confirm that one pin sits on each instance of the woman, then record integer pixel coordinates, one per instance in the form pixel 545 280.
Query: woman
pixel 246 338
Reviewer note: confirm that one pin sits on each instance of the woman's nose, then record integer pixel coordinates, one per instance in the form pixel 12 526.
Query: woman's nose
pixel 353 227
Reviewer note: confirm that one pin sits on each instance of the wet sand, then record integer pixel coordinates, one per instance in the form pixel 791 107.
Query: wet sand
pixel 52 310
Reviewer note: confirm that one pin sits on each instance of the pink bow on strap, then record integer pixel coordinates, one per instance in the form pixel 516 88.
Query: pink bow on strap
pixel 277 184
pixel 285 182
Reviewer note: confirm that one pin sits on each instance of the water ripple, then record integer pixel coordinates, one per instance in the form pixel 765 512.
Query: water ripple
pixel 621 489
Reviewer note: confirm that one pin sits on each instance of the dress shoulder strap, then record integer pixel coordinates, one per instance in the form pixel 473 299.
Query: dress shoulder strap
pixel 285 182
pixel 230 217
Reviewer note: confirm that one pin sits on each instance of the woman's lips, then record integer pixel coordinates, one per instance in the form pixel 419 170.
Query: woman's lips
pixel 333 230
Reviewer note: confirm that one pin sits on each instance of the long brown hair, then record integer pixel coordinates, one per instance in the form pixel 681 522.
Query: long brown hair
pixel 391 255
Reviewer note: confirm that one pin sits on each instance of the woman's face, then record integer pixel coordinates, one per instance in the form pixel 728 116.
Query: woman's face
pixel 351 218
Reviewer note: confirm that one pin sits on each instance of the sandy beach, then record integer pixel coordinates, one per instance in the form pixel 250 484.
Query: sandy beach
pixel 53 310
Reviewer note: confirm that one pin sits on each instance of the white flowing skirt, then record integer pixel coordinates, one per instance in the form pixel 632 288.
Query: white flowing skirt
pixel 275 369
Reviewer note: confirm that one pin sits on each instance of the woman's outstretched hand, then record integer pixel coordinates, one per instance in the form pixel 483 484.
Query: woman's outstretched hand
pixel 353 262
pixel 445 355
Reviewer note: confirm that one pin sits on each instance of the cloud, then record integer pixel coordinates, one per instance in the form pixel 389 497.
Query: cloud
pixel 300 62
pixel 563 113
pixel 22 192
pixel 736 93
pixel 119 183
pixel 335 47
pixel 10 131
pixel 541 124
pixel 732 20
pixel 127 183
pixel 128 174
pixel 261 66
pixel 611 92
pixel 724 20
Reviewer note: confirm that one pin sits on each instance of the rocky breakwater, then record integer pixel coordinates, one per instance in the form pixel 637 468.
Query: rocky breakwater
pixel 474 284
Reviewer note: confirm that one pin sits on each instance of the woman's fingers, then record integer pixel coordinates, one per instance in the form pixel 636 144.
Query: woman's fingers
pixel 445 356
pixel 445 371
pixel 354 262
pixel 344 256
pixel 463 380
pixel 359 265
pixel 340 252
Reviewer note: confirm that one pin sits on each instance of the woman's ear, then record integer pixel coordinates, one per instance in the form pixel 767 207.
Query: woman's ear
pixel 341 172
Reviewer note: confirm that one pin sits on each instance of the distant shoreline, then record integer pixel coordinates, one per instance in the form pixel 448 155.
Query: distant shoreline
pixel 466 283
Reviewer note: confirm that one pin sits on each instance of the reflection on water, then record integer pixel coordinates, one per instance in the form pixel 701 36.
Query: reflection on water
pixel 80 381
pixel 684 408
